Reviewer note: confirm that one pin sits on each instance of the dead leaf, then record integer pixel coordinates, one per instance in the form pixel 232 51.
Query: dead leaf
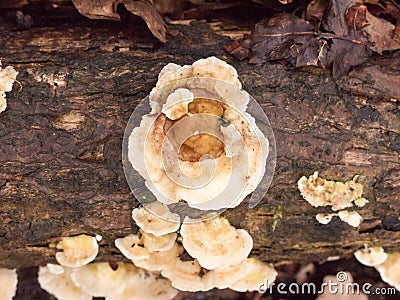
pixel 98 9
pixel 342 55
pixel 382 34
pixel 316 9
pixel 345 39
pixel 149 14
pixel 287 37
pixel 356 16
pixel 290 38
pixel 107 9
pixel 379 33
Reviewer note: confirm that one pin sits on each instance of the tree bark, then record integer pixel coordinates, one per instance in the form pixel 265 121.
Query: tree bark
pixel 61 135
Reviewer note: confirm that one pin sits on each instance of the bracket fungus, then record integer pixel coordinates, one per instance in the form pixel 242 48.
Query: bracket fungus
pixel 8 283
pixel 321 192
pixel 371 256
pixel 155 218
pixel 122 282
pixel 57 281
pixel 141 285
pixel 155 243
pixel 352 218
pixel 389 270
pixel 199 149
pixel 133 248
pixel 252 273
pixel 77 250
pixel 188 276
pixel 100 279
pixel 7 77
pixel 199 144
pixel 215 243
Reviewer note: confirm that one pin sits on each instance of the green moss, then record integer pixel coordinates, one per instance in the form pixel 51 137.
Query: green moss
pixel 277 216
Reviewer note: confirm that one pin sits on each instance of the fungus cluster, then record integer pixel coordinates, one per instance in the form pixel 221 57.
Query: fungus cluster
pixel 339 195
pixel 387 264
pixel 206 254
pixel 7 77
pixel 78 250
pixel 198 144
pixel 197 132
pixel 122 281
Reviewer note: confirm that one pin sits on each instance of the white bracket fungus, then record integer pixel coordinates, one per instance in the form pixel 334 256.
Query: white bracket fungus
pixel 253 272
pixel 352 218
pixel 7 77
pixel 199 144
pixel 325 218
pixel 77 250
pixel 371 256
pixel 142 285
pixel 8 283
pixel 321 192
pixel 215 243
pixel 155 218
pixel 158 243
pixel 57 281
pixel 100 280
pixel 188 276
pixel 132 248
pixel 389 270
pixel 124 282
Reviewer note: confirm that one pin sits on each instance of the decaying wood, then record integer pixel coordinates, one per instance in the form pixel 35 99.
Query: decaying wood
pixel 61 136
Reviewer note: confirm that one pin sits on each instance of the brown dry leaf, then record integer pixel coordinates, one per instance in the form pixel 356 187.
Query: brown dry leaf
pixel 284 36
pixel 98 9
pixel 347 35
pixel 342 55
pixel 149 14
pixel 290 38
pixel 107 9
pixel 315 9
pixel 382 34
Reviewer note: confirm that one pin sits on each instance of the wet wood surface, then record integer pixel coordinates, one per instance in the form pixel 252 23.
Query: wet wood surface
pixel 60 140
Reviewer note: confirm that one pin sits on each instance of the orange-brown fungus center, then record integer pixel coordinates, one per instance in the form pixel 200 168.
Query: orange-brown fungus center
pixel 196 146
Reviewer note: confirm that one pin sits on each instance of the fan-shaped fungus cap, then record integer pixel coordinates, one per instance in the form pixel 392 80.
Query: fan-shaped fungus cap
pixel 216 144
pixel 352 218
pixel 389 270
pixel 215 243
pixel 320 192
pixel 177 104
pixel 325 218
pixel 142 285
pixel 188 276
pixel 155 218
pixel 158 243
pixel 77 250
pixel 371 256
pixel 132 248
pixel 57 281
pixel 7 78
pixel 8 283
pixel 253 272
pixel 100 280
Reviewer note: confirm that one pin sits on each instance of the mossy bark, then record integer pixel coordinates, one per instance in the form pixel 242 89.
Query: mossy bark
pixel 60 140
